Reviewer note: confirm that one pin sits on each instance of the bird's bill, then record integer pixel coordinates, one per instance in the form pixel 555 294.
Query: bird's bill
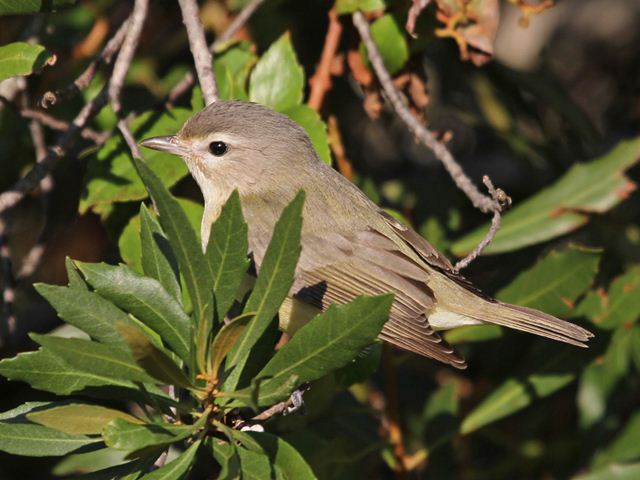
pixel 169 144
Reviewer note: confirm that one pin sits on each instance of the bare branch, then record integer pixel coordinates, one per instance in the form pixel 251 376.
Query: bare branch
pixel 416 7
pixel 31 180
pixel 32 259
pixel 129 45
pixel 201 55
pixel 83 81
pixel 321 80
pixel 187 81
pixel 7 317
pixel 484 203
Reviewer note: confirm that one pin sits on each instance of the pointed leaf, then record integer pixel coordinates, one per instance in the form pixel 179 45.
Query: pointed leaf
pixel 88 311
pixel 122 435
pixel 176 469
pixel 75 280
pixel 78 418
pixel 560 208
pixel 330 340
pixel 280 453
pixel 193 265
pixel 22 58
pixel 277 79
pixel 38 441
pixel 555 282
pixel 158 260
pixel 274 279
pixel 227 253
pixel 145 298
pixel 226 339
pixel 92 357
pixel 45 371
pixel 152 359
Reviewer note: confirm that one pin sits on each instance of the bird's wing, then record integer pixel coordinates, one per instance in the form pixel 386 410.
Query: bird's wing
pixel 370 263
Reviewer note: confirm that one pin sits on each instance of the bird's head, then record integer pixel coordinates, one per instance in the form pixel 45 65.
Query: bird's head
pixel 233 144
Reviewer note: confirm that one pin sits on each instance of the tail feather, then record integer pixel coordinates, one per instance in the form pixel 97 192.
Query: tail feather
pixel 531 321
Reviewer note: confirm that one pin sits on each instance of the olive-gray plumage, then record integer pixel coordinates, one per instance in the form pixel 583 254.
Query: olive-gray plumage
pixel 350 247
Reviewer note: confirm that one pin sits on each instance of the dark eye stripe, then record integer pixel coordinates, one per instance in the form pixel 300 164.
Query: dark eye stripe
pixel 218 148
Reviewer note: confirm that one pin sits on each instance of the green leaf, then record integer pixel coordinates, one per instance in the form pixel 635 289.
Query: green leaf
pixel 227 251
pixel 624 448
pixel 126 471
pixel 555 282
pixel 38 441
pixel 92 357
pixel 619 306
pixel 156 255
pixel 111 176
pixel 389 35
pixel 45 371
pixel 227 457
pixel 439 415
pixel 563 206
pixel 350 6
pixel 184 242
pixel 21 410
pixel 176 469
pixel 286 459
pixel 122 435
pixel 78 418
pixel 309 119
pixel 274 279
pixel 152 359
pixel 232 67
pixel 599 380
pixel 277 80
pixel 330 340
pixel 359 369
pixel 75 280
pixel 21 58
pixel 88 311
pixel 18 7
pixel 613 472
pixel 542 378
pixel 146 299
pixel 473 333
pixel 226 339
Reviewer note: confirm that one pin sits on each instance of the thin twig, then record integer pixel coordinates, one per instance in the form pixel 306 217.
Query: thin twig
pixel 501 199
pixel 282 407
pixel 129 45
pixel 7 316
pixel 32 179
pixel 85 78
pixel 321 80
pixel 188 80
pixel 484 203
pixel 201 55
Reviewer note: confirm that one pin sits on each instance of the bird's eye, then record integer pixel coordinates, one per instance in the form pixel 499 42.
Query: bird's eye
pixel 218 148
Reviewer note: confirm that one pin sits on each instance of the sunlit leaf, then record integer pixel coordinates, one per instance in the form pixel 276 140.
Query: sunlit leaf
pixel 78 418
pixel 277 79
pixel 563 206
pixel 111 176
pixel 38 441
pixel 146 299
pixel 309 119
pixel 389 35
pixel 21 58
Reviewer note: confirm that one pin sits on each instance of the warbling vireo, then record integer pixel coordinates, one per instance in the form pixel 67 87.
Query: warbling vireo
pixel 350 247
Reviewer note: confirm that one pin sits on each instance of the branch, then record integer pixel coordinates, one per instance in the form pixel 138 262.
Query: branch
pixel 85 78
pixel 484 203
pixel 7 317
pixel 321 80
pixel 129 45
pixel 187 81
pixel 31 180
pixel 201 55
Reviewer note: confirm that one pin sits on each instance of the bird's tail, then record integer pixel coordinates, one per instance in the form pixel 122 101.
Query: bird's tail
pixel 468 304
pixel 531 321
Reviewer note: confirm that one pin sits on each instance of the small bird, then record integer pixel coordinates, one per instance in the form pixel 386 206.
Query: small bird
pixel 350 247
